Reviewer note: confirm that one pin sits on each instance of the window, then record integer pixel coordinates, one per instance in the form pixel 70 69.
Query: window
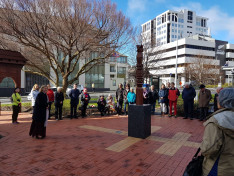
pixel 189 27
pixel 173 36
pixel 190 15
pixel 112 69
pixel 114 82
pixel 112 76
pixel 172 24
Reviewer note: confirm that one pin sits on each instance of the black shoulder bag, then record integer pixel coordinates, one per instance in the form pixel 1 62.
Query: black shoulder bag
pixel 194 168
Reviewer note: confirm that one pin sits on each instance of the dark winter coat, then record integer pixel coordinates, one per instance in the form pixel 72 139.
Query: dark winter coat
pixel 189 94
pixel 101 103
pixel 39 113
pixel 74 96
pixel 153 96
pixel 83 100
pixel 164 94
pixel 120 94
pixel 126 93
pixel 204 98
pixel 58 98
pixel 216 102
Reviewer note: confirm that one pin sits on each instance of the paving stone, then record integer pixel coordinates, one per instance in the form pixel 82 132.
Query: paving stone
pixel 97 147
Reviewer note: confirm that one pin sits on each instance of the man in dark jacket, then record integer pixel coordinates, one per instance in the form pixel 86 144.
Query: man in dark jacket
pixel 101 104
pixel 119 98
pixel 153 96
pixel 204 98
pixel 58 103
pixel 126 103
pixel 188 96
pixel 74 96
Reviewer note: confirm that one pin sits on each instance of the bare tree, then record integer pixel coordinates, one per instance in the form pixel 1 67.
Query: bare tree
pixel 202 70
pixel 57 36
pixel 151 54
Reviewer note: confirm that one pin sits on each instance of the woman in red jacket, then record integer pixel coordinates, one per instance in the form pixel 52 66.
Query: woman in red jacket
pixel 50 95
pixel 173 95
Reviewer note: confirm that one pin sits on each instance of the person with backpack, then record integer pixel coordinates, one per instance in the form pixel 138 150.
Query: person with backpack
pixel 173 95
pixel 16 105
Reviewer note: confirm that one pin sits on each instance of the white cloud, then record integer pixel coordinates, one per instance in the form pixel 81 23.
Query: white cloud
pixel 135 6
pixel 219 21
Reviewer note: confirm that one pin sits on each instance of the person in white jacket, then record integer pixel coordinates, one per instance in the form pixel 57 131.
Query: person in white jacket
pixel 34 93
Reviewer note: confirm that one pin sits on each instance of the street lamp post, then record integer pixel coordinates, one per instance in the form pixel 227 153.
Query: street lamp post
pixel 176 51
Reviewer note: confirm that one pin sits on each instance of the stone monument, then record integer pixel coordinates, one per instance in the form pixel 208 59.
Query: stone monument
pixel 139 114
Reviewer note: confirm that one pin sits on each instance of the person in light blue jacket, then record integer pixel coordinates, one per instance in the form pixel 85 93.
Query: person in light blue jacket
pixel 34 93
pixel 131 96
pixel 163 96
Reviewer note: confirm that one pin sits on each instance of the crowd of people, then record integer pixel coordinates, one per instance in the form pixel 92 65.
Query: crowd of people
pixel 167 97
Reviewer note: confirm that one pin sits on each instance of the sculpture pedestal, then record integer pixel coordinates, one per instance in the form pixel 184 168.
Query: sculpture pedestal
pixel 139 121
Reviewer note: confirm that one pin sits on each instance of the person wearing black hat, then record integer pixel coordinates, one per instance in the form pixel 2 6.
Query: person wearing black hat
pixel 204 98
pixel 101 104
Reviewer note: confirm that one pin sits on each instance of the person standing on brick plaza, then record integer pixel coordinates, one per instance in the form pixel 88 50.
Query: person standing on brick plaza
pixel 173 95
pixel 145 96
pixel 218 139
pixel 204 98
pixel 16 105
pixel 131 96
pixel 216 98
pixel 153 96
pixel 58 103
pixel 188 95
pixel 126 103
pixel 167 101
pixel 163 94
pixel 34 93
pixel 84 102
pixel 50 95
pixel 119 98
pixel 74 96
pixel 40 115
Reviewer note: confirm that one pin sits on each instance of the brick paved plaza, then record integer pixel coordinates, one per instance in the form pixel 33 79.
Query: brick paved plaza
pixel 97 147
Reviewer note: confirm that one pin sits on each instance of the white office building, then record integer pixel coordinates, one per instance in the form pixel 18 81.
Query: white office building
pixel 190 34
pixel 170 25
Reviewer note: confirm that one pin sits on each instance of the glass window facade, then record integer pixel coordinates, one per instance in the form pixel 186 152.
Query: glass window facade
pixel 96 76
pixel 121 73
pixel 32 79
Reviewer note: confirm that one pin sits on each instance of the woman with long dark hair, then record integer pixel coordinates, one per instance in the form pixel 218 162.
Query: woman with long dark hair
pixel 16 105
pixel 40 115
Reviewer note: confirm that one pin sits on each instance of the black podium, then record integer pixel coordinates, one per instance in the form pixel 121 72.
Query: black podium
pixel 139 121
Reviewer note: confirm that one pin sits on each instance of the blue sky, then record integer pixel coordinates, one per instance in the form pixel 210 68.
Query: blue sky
pixel 219 12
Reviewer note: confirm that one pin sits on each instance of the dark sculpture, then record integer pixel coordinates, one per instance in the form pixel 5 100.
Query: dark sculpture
pixel 139 75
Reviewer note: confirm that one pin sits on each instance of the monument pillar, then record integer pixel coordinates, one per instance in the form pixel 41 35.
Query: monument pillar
pixel 139 114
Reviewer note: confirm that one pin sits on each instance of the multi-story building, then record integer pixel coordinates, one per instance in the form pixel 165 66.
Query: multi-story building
pixel 160 36
pixel 163 29
pixel 198 50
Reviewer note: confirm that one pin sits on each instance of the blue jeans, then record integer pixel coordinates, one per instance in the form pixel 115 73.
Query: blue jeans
pixel 153 107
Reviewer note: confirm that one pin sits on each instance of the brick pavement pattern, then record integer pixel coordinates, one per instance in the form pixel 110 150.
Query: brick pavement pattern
pixel 97 146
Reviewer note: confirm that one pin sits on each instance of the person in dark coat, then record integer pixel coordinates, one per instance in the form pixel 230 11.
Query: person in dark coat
pixel 50 95
pixel 216 98
pixel 101 105
pixel 204 98
pixel 58 103
pixel 84 102
pixel 119 98
pixel 153 96
pixel 163 94
pixel 188 95
pixel 126 103
pixel 145 96
pixel 74 96
pixel 40 115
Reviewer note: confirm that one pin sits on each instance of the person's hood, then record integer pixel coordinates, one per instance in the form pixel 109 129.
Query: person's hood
pixel 225 120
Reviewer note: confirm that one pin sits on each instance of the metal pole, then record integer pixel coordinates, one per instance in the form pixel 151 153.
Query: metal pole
pixel 176 52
